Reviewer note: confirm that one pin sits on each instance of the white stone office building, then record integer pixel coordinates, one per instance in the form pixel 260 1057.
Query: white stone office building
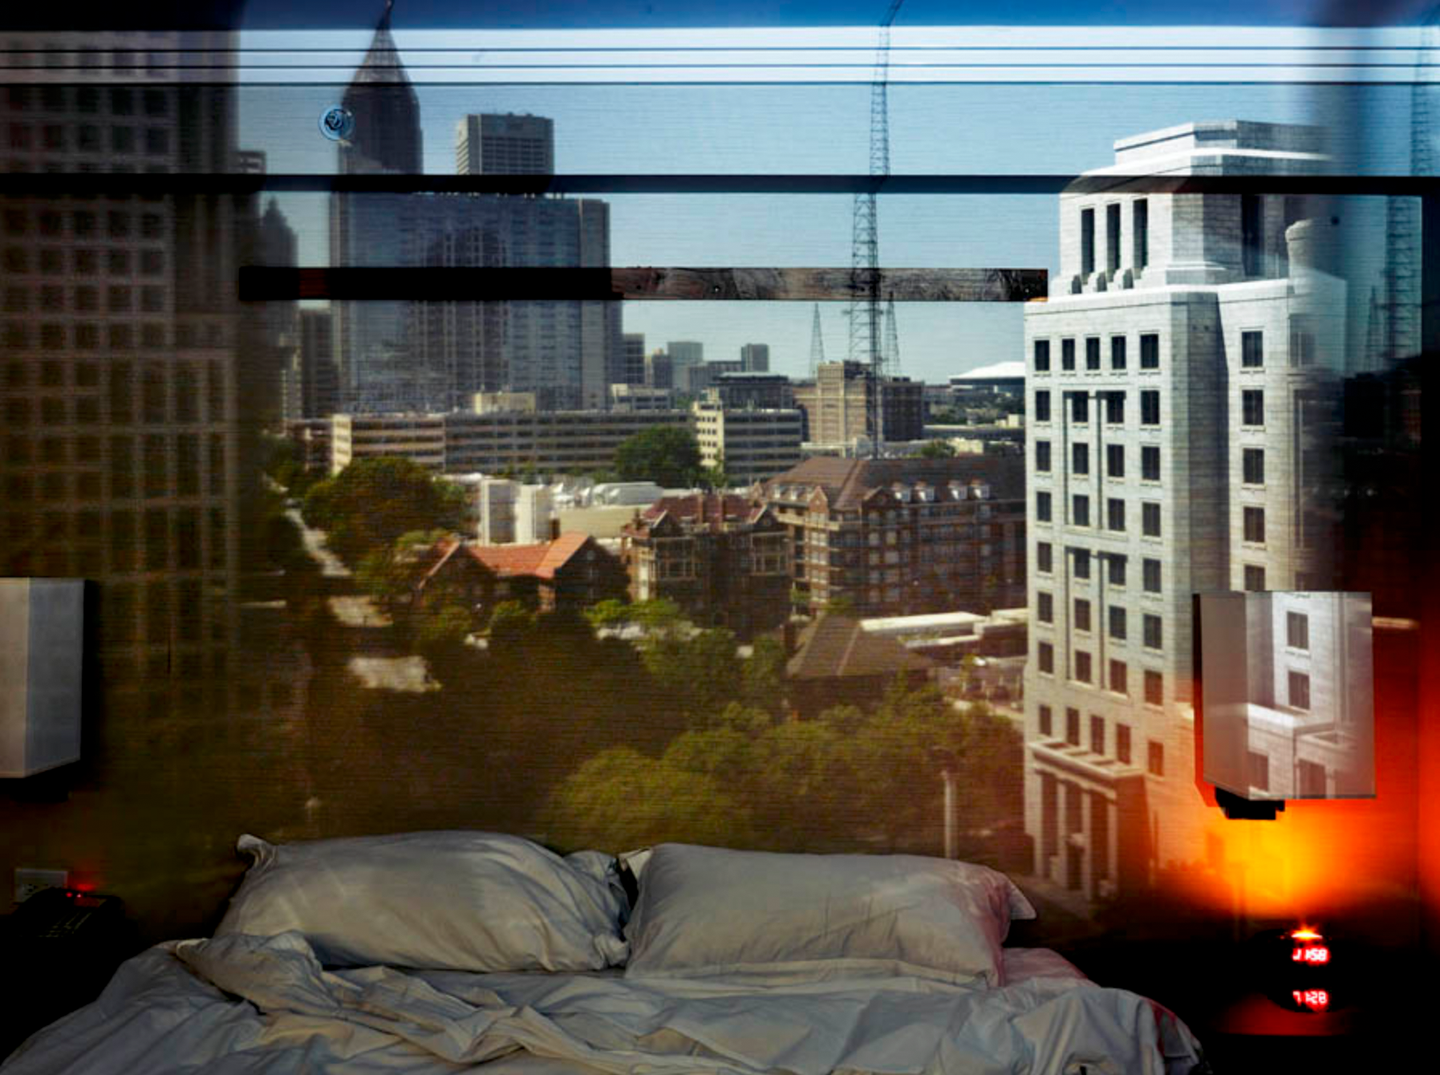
pixel 1179 376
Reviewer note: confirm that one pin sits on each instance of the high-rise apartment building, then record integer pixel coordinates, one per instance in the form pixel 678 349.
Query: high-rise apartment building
pixel 1181 380
pixel 755 358
pixel 505 145
pixel 127 366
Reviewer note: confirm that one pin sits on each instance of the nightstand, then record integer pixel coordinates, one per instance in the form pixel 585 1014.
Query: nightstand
pixel 61 947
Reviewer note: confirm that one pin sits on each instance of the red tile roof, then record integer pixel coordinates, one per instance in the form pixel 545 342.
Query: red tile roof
pixel 541 560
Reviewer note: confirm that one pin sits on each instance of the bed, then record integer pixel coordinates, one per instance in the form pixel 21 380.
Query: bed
pixel 431 952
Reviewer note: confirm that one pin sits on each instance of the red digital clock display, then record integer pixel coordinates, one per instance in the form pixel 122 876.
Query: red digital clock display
pixel 1311 954
pixel 1317 1000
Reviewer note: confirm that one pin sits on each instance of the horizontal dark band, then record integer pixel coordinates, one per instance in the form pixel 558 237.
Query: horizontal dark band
pixel 510 284
pixel 49 185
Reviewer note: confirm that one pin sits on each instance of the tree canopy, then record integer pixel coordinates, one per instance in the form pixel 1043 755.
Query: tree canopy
pixel 936 449
pixel 370 504
pixel 666 455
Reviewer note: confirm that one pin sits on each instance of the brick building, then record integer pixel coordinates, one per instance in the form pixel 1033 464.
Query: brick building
pixel 571 572
pixel 723 559
pixel 895 537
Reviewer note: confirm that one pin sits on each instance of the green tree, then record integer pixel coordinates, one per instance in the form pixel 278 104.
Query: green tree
pixel 764 674
pixel 715 477
pixel 372 502
pixel 512 628
pixel 666 455
pixel 697 673
pixel 935 449
pixel 608 613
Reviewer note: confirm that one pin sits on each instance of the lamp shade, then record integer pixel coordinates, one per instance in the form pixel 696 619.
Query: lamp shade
pixel 41 650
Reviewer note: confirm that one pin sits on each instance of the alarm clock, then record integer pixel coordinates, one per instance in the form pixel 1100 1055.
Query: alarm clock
pixel 1302 970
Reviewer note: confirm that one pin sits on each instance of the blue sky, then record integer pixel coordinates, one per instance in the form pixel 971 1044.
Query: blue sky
pixel 944 127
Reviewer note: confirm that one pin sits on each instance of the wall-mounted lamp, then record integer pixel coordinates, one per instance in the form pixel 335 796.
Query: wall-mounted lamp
pixel 41 658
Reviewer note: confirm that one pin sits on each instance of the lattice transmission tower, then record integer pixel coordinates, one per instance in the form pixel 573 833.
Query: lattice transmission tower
pixel 865 313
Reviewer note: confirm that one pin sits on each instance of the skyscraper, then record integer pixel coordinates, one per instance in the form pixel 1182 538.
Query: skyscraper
pixel 755 358
pixel 505 145
pixel 1180 377
pixel 128 368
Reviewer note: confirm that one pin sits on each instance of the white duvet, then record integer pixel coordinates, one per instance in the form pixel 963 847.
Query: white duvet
pixel 247 1004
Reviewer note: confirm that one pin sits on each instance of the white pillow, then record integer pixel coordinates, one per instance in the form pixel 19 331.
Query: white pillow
pixel 473 901
pixel 709 912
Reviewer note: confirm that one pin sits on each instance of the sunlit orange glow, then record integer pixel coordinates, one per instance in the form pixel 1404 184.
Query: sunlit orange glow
pixel 1305 935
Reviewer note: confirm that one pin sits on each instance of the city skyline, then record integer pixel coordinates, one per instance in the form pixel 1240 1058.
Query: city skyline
pixel 808 128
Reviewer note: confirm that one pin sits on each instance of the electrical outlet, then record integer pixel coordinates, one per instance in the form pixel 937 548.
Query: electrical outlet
pixel 28 882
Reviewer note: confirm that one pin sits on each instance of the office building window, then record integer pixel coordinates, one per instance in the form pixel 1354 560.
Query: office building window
pixel 1042 406
pixel 1302 340
pixel 1259 770
pixel 1254 577
pixel 1150 408
pixel 1150 519
pixel 1252 235
pixel 1082 614
pixel 1140 231
pixel 1149 351
pixel 1047 720
pixel 1118 675
pixel 1312 779
pixel 1156 761
pixel 1042 356
pixel 1079 510
pixel 1115 514
pixel 1153 631
pixel 1067 355
pixel 1087 241
pixel 1255 525
pixel 1118 623
pixel 1252 462
pixel 1082 563
pixel 1151 571
pixel 1112 237
pixel 1042 507
pixel 1252 350
pixel 1115 408
pixel 1045 655
pixel 1083 671
pixel 1299 690
pixel 1080 458
pixel 1117 571
pixel 1042 455
pixel 1150 462
pixel 1115 460
pixel 1092 352
pixel 1252 407
pixel 1079 407
pixel 1044 606
pixel 1154 688
pixel 1072 727
pixel 1122 744
pixel 1097 734
pixel 1044 557
pixel 1297 630
pixel 1117 352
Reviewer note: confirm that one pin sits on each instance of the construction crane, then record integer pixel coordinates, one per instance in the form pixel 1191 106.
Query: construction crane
pixel 864 313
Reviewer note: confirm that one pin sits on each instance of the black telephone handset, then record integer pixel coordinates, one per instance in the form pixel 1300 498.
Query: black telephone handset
pixel 57 914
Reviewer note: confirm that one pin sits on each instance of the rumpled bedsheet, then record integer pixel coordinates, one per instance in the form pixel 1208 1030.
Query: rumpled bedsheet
pixel 244 1005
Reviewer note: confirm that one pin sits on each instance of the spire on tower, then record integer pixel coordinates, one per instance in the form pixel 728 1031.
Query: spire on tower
pixel 817 343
